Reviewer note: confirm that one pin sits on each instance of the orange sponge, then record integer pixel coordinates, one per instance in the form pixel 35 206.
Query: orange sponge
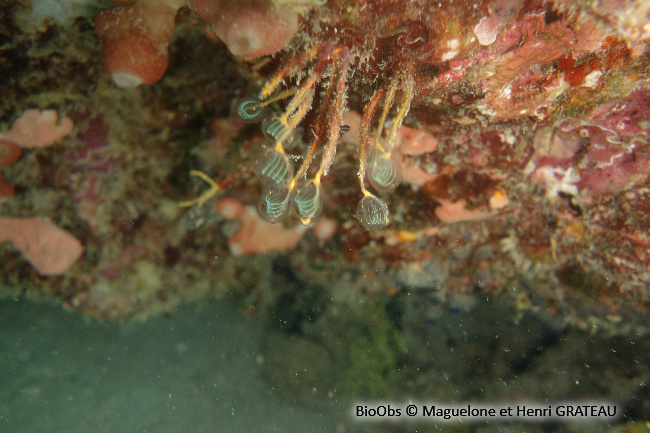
pixel 135 40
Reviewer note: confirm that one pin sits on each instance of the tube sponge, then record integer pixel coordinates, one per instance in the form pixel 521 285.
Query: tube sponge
pixel 250 28
pixel 135 40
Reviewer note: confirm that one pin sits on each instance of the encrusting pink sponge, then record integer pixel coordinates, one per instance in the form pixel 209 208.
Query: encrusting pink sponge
pixel 50 249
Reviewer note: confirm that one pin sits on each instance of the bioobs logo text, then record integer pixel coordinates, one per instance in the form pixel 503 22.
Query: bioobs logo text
pixel 380 411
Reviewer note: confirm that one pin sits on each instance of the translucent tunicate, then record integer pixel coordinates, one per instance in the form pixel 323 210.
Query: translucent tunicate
pixel 372 212
pixel 274 204
pixel 273 168
pixel 384 172
pixel 297 140
pixel 308 201
pixel 276 128
pixel 249 110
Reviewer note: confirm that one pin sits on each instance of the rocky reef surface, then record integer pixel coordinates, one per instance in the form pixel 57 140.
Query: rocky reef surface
pixel 416 162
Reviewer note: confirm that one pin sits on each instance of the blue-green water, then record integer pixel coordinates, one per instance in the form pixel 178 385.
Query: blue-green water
pixel 197 371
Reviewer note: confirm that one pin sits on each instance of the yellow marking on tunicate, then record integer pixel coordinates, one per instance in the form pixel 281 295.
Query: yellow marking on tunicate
pixel 337 113
pixel 298 107
pixel 259 65
pixel 402 112
pixel 279 148
pixel 252 109
pixel 300 112
pixel 278 97
pixel 364 129
pixel 498 200
pixel 406 236
pixel 305 164
pixel 387 104
pixel 275 81
pixel 299 97
pixel 575 229
pixel 554 249
pixel 271 85
pixel 308 200
pixel 207 195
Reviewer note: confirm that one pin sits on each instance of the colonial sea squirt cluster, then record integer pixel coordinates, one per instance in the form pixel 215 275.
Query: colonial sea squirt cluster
pixel 511 95
pixel 274 168
pixel 331 56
